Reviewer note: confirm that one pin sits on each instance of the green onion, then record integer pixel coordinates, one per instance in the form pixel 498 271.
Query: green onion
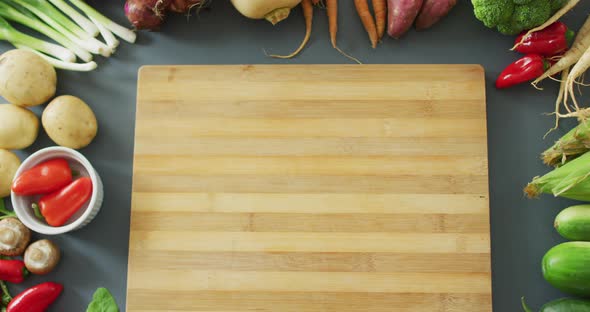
pixel 108 36
pixel 50 17
pixel 8 33
pixel 571 180
pixel 81 67
pixel 26 18
pixel 80 19
pixel 571 145
pixel 117 29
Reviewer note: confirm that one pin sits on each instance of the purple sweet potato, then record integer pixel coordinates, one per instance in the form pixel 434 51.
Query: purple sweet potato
pixel 432 11
pixel 401 16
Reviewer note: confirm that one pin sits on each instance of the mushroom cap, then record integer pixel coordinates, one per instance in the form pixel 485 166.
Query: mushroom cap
pixel 42 256
pixel 14 237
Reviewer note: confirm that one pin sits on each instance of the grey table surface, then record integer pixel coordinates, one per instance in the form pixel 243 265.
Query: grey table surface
pixel 522 231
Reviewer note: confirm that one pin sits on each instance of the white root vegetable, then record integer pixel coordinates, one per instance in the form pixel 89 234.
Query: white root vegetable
pixel 566 8
pixel 273 11
pixel 576 72
pixel 580 45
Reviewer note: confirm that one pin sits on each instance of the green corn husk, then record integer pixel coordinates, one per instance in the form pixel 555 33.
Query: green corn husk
pixel 571 180
pixel 571 145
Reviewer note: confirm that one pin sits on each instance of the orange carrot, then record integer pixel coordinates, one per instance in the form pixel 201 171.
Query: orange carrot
pixel 362 8
pixel 332 9
pixel 307 7
pixel 315 2
pixel 380 9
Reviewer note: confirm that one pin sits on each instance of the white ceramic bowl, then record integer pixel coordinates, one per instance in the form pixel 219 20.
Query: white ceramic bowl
pixel 79 163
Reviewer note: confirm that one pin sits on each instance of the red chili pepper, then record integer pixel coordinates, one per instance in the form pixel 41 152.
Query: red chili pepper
pixel 44 178
pixel 59 206
pixel 550 41
pixel 13 271
pixel 35 299
pixel 525 69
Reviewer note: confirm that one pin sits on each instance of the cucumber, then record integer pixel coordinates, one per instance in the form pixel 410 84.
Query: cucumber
pixel 562 305
pixel 567 268
pixel 573 223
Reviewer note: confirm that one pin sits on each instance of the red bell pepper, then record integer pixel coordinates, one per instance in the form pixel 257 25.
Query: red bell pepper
pixel 35 299
pixel 59 206
pixel 550 41
pixel 44 178
pixel 13 271
pixel 525 69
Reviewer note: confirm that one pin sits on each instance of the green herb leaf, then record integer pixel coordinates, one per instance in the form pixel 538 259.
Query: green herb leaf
pixel 6 297
pixel 102 301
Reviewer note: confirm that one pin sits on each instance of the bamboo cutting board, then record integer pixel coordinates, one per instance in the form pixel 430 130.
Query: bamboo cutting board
pixel 309 188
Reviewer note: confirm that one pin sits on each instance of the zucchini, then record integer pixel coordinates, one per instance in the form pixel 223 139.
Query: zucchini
pixel 567 267
pixel 573 223
pixel 562 305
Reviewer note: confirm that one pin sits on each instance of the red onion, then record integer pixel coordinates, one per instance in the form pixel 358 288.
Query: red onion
pixel 183 6
pixel 146 14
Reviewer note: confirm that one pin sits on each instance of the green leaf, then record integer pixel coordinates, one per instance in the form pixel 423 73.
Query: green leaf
pixel 102 301
pixel 6 297
pixel 2 206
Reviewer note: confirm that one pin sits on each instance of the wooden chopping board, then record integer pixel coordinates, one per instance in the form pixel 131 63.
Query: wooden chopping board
pixel 310 188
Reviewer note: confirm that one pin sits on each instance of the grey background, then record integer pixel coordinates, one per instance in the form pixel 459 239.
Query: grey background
pixel 521 229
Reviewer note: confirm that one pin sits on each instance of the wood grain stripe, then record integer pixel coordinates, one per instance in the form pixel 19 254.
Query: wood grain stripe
pixel 244 146
pixel 314 262
pixel 289 108
pixel 442 184
pixel 200 280
pixel 298 166
pixel 312 203
pixel 218 301
pixel 294 222
pixel 309 242
pixel 352 128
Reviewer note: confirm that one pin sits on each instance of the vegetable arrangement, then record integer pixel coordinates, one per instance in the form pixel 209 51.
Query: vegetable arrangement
pixel 74 26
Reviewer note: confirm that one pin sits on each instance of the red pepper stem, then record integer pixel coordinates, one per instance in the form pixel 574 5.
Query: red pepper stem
pixel 37 211
pixel 546 65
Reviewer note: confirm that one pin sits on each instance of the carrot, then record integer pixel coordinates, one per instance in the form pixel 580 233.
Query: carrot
pixel 580 45
pixel 362 8
pixel 315 2
pixel 307 6
pixel 380 9
pixel 566 8
pixel 332 11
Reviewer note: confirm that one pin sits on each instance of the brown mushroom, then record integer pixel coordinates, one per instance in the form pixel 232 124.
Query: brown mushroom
pixel 42 256
pixel 14 237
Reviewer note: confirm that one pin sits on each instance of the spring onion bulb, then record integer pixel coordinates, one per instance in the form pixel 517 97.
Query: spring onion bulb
pixel 81 67
pixel 80 19
pixel 9 33
pixel 12 13
pixel 121 32
pixel 107 35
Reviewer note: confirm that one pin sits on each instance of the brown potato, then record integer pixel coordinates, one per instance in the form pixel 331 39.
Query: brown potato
pixel 9 163
pixel 69 122
pixel 26 79
pixel 19 127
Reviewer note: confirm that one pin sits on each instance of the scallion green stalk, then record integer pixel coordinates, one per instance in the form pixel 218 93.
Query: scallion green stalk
pixel 87 42
pixel 12 13
pixel 122 32
pixel 81 67
pixel 80 19
pixel 9 33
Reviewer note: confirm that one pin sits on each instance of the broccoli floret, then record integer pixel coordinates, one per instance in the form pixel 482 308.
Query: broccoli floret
pixel 510 17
